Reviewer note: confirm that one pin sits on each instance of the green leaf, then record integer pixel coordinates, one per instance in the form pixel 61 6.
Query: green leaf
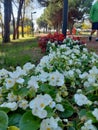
pixel 28 122
pixel 71 128
pixel 23 92
pixel 46 88
pixel 68 112
pixel 91 89
pixel 50 111
pixel 5 109
pixel 20 91
pixel 3 120
pixel 14 119
pixel 82 113
pixel 90 116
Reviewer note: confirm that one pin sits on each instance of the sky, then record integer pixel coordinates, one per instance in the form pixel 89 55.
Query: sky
pixel 38 9
pixel 37 15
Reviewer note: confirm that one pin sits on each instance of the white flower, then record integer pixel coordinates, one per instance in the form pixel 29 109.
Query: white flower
pixel 81 99
pixel 41 113
pixel 9 83
pixel 85 50
pixel 70 62
pixel 43 76
pixel 84 56
pixel 86 84
pixel 39 103
pixel 94 70
pixel 33 83
pixel 56 79
pixel 58 97
pixel 14 75
pixel 23 104
pixel 20 70
pixel 20 80
pixel 28 66
pixel 65 120
pixel 96 102
pixel 95 113
pixel 11 105
pixel 11 97
pixel 71 73
pixel 88 126
pixel 77 51
pixel 78 71
pixel 44 61
pixel 50 124
pixel 91 79
pixel 84 75
pixel 3 73
pixel 59 107
pixel 79 91
pixel 52 104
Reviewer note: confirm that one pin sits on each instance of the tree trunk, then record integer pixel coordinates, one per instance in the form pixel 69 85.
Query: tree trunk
pixel 18 17
pixel 22 22
pixel 13 26
pixel 65 17
pixel 7 19
pixel 2 27
pixel 22 28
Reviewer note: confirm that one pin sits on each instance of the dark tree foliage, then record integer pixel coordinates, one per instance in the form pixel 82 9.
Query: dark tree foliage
pixel 76 10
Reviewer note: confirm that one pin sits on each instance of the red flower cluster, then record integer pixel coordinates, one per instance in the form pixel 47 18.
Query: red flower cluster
pixel 42 42
pixel 58 37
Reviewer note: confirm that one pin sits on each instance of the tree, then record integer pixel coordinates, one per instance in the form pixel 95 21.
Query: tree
pixel 7 19
pixel 21 2
pixel 1 22
pixel 25 5
pixel 53 15
pixel 72 9
pixel 42 23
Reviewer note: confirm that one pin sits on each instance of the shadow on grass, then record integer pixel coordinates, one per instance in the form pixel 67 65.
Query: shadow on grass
pixel 19 52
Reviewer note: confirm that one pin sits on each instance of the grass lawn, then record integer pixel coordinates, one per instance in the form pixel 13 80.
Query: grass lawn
pixel 18 52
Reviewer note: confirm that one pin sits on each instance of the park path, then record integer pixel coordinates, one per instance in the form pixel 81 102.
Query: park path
pixel 91 45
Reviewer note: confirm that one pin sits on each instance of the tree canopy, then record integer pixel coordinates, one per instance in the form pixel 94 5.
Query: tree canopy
pixel 51 18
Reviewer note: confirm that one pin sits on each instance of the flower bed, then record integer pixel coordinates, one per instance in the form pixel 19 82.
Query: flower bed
pixel 57 38
pixel 60 93
pixel 42 42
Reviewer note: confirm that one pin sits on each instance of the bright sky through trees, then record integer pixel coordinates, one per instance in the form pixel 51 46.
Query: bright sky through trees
pixel 39 10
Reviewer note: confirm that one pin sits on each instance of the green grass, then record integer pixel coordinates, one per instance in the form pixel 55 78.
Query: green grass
pixel 18 52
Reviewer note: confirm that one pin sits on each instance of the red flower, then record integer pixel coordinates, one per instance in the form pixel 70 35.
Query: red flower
pixel 42 42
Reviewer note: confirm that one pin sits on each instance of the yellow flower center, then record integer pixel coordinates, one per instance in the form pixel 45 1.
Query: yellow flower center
pixel 52 78
pixel 48 129
pixel 42 105
pixel 9 81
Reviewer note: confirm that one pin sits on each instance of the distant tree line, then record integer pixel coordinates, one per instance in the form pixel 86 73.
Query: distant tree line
pixel 51 18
